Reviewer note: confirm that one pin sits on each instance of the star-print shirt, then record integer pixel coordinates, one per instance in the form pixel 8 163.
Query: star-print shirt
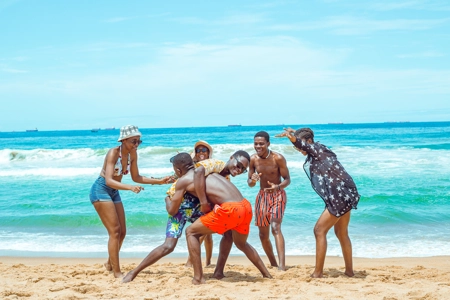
pixel 329 178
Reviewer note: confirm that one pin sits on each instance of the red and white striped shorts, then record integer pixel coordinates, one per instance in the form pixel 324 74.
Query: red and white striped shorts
pixel 269 206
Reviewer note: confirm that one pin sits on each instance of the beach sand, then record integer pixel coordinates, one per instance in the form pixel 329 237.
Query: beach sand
pixel 86 278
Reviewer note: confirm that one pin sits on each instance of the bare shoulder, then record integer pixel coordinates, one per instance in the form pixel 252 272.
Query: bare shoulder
pixel 253 156
pixel 182 182
pixel 114 150
pixel 113 153
pixel 278 156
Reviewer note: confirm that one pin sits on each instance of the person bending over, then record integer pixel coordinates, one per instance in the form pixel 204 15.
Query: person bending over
pixel 231 212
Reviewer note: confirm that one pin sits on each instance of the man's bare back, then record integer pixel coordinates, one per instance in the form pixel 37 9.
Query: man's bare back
pixel 218 189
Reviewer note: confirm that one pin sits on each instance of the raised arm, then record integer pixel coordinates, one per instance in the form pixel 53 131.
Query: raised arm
pixel 308 147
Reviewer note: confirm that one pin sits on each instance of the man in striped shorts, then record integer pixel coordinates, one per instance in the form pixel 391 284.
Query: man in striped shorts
pixel 270 169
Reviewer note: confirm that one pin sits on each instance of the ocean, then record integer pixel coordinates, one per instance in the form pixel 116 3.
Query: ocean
pixel 402 171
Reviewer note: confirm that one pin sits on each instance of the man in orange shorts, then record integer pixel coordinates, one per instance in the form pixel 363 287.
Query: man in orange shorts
pixel 231 212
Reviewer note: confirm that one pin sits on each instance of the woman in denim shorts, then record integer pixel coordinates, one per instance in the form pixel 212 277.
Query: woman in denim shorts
pixel 104 195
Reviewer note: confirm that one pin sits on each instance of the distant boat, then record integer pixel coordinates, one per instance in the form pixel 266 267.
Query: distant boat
pixel 234 125
pixel 95 129
pixel 110 128
pixel 32 130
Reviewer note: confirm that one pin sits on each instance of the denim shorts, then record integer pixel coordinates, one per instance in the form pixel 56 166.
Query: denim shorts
pixel 101 192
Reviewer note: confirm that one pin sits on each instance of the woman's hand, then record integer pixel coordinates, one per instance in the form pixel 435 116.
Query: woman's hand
pixel 289 133
pixel 166 180
pixel 136 189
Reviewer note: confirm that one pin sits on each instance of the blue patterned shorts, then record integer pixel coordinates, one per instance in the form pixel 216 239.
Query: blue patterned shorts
pixel 189 212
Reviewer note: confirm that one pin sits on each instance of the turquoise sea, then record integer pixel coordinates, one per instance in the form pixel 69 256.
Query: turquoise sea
pixel 402 171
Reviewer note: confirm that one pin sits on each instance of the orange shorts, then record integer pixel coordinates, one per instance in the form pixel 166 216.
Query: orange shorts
pixel 229 216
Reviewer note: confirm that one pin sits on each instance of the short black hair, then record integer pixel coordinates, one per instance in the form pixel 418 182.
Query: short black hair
pixel 241 153
pixel 262 134
pixel 182 160
pixel 304 133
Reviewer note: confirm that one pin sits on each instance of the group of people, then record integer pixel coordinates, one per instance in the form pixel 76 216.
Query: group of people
pixel 202 194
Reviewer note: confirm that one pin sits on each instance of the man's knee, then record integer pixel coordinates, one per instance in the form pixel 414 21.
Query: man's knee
pixel 240 245
pixel 192 233
pixel 169 245
pixel 276 228
pixel 227 235
pixel 264 235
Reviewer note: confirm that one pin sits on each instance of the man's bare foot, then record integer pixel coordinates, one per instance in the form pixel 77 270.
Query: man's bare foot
pixel 349 274
pixel 282 268
pixel 318 275
pixel 188 264
pixel 108 266
pixel 118 274
pixel 197 282
pixel 207 263
pixel 268 276
pixel 129 277
pixel 218 276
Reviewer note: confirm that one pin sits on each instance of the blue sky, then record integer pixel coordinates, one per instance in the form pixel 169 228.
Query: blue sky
pixel 87 64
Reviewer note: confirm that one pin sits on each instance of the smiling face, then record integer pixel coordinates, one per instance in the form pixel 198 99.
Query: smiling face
pixel 132 143
pixel 238 166
pixel 261 146
pixel 201 153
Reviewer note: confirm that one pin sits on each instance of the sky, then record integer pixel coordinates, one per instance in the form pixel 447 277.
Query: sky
pixel 67 65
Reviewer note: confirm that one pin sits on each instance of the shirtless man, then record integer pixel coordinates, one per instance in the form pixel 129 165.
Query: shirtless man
pixel 231 212
pixel 188 209
pixel 269 168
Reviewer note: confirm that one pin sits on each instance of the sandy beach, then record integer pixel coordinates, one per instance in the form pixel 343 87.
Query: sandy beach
pixel 86 278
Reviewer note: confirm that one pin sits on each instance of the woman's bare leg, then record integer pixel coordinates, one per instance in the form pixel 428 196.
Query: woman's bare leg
pixel 341 231
pixel 323 225
pixel 110 219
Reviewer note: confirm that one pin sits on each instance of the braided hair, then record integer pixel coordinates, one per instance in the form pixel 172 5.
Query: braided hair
pixel 304 133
